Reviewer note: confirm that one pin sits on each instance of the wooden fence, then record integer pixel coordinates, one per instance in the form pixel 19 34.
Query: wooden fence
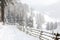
pixel 42 35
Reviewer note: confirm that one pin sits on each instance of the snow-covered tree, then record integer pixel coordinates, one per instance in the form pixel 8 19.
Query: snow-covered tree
pixel 17 10
pixel 51 26
pixel 39 20
pixel 29 22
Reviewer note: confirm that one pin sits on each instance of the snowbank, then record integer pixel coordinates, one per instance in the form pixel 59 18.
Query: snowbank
pixel 11 32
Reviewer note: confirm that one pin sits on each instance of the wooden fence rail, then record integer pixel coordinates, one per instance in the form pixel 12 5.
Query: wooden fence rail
pixel 42 35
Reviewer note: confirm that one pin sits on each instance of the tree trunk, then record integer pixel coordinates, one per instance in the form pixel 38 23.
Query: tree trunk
pixel 2 10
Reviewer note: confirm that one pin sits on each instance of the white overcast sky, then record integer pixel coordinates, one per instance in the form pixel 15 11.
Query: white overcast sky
pixel 40 2
pixel 50 7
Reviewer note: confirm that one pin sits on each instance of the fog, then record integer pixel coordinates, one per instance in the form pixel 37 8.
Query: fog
pixel 49 7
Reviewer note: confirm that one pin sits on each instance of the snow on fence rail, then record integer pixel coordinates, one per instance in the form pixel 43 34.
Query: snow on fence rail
pixel 42 35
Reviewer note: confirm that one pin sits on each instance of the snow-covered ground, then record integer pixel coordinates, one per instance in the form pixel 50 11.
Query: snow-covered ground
pixel 11 32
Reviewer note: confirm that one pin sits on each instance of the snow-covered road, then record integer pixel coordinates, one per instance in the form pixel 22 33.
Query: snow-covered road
pixel 11 32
